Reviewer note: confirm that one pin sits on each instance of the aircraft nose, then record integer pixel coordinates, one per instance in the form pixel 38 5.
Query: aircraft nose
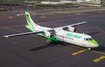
pixel 94 43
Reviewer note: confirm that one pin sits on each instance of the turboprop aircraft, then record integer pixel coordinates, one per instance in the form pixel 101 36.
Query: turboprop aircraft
pixel 65 33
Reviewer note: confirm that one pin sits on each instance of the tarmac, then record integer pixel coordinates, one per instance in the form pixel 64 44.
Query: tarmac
pixel 33 51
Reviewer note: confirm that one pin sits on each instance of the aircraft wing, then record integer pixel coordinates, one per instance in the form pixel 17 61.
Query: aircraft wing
pixel 20 34
pixel 76 24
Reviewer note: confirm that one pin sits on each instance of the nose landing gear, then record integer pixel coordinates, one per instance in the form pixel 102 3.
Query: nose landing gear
pixel 89 48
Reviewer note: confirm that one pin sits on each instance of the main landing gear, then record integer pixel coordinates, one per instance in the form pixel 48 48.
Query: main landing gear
pixel 48 41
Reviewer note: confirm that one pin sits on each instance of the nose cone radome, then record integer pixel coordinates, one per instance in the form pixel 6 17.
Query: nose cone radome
pixel 94 43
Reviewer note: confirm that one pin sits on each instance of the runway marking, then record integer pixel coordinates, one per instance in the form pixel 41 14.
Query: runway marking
pixel 85 48
pixel 81 51
pixel 100 30
pixel 99 59
pixel 42 16
pixel 78 13
pixel 12 29
pixel 2 17
pixel 62 43
pixel 22 32
pixel 98 52
pixel 76 18
pixel 10 17
pixel 100 11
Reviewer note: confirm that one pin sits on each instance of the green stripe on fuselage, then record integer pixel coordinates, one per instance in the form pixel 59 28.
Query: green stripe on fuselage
pixel 93 41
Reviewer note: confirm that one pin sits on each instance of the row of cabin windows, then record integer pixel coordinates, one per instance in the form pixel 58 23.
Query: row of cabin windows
pixel 64 37
pixel 88 39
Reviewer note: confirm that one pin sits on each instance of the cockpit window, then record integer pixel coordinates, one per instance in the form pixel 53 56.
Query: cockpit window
pixel 88 39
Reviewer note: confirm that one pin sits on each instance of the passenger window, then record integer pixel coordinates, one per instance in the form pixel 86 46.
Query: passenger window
pixel 90 39
pixel 87 39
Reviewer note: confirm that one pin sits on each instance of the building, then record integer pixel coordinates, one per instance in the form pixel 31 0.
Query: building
pixel 103 1
pixel 95 1
pixel 30 2
pixel 45 2
pixel 91 1
pixel 82 1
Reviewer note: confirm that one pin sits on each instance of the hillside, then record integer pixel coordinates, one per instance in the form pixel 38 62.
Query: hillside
pixel 20 0
pixel 30 0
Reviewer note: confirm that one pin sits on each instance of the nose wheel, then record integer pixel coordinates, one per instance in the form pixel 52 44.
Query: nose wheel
pixel 89 48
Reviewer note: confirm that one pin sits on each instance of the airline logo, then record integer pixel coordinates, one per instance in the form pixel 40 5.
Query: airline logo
pixel 74 36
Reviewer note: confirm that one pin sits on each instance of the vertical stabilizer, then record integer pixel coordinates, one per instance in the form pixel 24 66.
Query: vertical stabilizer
pixel 29 20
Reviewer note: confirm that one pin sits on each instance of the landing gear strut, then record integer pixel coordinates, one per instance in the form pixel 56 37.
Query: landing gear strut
pixel 48 41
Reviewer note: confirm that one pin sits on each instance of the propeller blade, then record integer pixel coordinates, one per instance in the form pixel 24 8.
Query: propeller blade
pixel 75 28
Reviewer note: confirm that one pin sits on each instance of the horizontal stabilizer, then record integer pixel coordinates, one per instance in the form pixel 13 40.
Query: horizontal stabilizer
pixel 20 34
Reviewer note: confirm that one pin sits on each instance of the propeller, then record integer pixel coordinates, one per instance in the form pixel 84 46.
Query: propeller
pixel 52 33
pixel 75 28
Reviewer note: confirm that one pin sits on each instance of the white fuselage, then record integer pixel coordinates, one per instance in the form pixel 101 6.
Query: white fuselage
pixel 74 38
pixel 69 37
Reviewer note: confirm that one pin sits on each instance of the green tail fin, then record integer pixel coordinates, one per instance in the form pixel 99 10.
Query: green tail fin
pixel 29 20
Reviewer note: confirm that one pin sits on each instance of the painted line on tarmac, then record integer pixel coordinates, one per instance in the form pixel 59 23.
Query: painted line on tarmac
pixel 81 51
pixel 12 29
pixel 76 18
pixel 13 26
pixel 78 13
pixel 10 17
pixel 99 59
pixel 98 52
pixel 85 48
pixel 43 17
pixel 59 12
pixel 100 11
pixel 100 30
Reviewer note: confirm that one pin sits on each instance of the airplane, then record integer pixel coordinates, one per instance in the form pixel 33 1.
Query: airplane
pixel 66 34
